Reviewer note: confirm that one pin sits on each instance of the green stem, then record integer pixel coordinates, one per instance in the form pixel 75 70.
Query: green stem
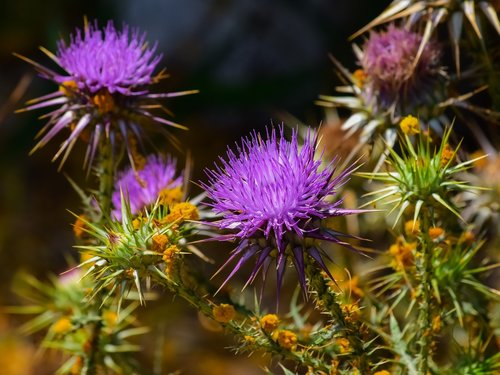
pixel 327 301
pixel 91 360
pixel 106 180
pixel 240 329
pixel 424 269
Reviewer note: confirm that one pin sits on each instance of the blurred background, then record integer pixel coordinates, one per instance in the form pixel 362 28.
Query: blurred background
pixel 255 63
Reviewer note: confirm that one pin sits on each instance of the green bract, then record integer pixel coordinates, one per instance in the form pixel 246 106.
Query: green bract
pixel 421 177
pixel 128 252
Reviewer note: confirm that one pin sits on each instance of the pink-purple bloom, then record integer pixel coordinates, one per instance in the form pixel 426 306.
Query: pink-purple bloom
pixel 272 194
pixel 104 90
pixel 142 188
pixel 118 61
pixel 388 61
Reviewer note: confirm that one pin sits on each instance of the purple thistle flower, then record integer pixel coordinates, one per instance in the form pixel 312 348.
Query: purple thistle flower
pixel 104 91
pixel 272 195
pixel 388 61
pixel 143 187
pixel 117 61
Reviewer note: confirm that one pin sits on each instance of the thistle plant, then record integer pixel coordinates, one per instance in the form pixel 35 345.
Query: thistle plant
pixel 64 311
pixel 420 299
pixel 104 92
pixel 432 266
pixel 421 177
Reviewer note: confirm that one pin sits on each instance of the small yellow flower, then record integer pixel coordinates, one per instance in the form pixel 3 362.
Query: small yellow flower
pixel 409 125
pixel 249 339
pixel 269 322
pixel 85 255
pixel 286 339
pixel 62 326
pixel 436 324
pixel 169 256
pixel 110 318
pixel 351 311
pixel 344 345
pixel 382 372
pixel 447 154
pixel 170 197
pixel 160 242
pixel 224 313
pixel 182 211
pixel 136 224
pixel 170 252
pixel 402 252
pixel 480 163
pixel 359 76
pixel 467 237
pixel 436 233
pixel 79 226
pixel 77 367
pixel 104 102
pixel 68 88
pixel 412 227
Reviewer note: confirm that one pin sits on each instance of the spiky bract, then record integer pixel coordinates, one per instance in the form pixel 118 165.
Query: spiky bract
pixel 421 177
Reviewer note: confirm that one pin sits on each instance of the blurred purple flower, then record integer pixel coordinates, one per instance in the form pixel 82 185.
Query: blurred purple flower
pixel 142 188
pixel 272 194
pixel 388 61
pixel 105 90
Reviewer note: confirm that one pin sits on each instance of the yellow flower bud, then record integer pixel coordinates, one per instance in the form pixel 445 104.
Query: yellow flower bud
pixel 409 125
pixel 286 339
pixel 224 313
pixel 269 322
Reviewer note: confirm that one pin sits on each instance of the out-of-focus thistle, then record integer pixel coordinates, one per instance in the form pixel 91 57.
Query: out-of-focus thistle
pixel 272 196
pixel 155 179
pixel 70 320
pixel 423 176
pixel 473 27
pixel 432 13
pixel 392 75
pixel 392 81
pixel 104 90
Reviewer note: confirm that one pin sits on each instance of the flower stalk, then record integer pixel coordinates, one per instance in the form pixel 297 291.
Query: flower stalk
pixel 241 328
pixel 105 172
pixel 106 178
pixel 424 273
pixel 327 302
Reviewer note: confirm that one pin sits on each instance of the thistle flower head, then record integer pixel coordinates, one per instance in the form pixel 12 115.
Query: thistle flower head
pixel 104 92
pixel 117 61
pixel 390 63
pixel 144 187
pixel 272 194
pixel 456 13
